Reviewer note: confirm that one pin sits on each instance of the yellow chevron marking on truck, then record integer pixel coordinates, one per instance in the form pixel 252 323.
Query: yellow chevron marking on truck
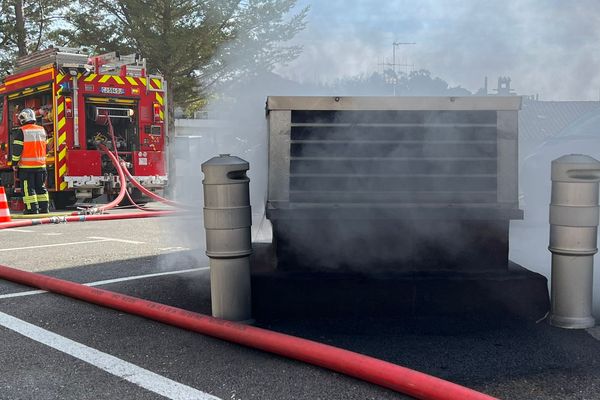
pixel 132 81
pixel 118 80
pixel 159 99
pixel 61 123
pixel 62 138
pixel 62 170
pixel 104 78
pixel 143 80
pixel 60 108
pixel 162 115
pixel 90 77
pixel 63 185
pixel 157 83
pixel 62 154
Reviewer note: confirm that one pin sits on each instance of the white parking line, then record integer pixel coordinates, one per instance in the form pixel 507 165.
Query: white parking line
pixel 172 249
pixel 132 278
pixel 16 230
pixel 111 364
pixel 21 294
pixel 107 281
pixel 97 239
pixel 116 240
pixel 53 245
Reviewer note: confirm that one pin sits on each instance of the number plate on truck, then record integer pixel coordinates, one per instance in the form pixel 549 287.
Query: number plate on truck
pixel 112 90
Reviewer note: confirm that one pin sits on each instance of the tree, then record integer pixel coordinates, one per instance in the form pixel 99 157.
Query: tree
pixel 195 44
pixel 421 83
pixel 26 26
pixel 416 83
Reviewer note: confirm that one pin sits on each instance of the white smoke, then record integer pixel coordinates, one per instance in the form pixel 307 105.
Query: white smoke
pixel 547 47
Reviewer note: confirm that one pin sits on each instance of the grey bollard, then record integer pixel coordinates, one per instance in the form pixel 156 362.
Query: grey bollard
pixel 227 220
pixel 573 239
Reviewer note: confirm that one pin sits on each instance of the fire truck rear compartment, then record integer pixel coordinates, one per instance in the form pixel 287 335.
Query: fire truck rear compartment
pixel 124 122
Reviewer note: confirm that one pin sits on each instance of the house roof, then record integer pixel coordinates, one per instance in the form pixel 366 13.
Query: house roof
pixel 540 120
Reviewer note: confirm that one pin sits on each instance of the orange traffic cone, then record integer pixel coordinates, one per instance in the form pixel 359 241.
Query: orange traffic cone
pixel 4 211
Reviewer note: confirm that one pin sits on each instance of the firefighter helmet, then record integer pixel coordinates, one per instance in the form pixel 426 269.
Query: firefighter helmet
pixel 26 115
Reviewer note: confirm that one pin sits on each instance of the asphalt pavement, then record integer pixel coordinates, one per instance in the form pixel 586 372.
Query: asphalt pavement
pixel 56 347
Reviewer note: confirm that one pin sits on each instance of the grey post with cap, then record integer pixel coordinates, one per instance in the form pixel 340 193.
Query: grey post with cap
pixel 227 220
pixel 573 239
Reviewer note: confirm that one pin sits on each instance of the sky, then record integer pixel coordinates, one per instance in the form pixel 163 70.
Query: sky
pixel 547 47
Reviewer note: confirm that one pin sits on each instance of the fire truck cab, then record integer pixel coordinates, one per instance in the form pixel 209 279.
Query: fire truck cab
pixel 73 95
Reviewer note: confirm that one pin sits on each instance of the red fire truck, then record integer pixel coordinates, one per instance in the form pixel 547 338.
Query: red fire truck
pixel 73 95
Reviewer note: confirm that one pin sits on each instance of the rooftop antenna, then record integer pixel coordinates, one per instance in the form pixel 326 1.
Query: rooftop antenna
pixel 393 63
pixel 394 45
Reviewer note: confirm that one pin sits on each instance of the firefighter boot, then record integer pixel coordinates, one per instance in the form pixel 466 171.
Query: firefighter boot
pixel 32 209
pixel 31 205
pixel 43 202
pixel 44 209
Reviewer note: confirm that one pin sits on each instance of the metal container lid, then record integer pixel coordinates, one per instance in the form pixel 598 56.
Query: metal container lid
pixel 576 168
pixel 406 103
pixel 225 169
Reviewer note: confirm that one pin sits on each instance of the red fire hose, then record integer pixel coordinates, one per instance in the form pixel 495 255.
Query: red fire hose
pixel 391 376
pixel 149 193
pixel 123 169
pixel 139 207
pixel 123 188
pixel 82 218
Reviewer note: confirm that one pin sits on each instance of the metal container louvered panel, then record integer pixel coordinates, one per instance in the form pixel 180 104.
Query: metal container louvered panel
pixel 393 156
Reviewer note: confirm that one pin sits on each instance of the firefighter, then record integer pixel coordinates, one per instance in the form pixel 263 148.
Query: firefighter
pixel 29 160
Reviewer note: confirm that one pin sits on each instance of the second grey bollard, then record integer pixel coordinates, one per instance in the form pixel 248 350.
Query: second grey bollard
pixel 573 239
pixel 227 220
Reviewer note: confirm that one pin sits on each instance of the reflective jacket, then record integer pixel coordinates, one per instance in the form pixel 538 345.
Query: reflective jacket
pixel 29 147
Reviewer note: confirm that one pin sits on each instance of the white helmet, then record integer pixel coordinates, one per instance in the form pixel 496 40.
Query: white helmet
pixel 26 115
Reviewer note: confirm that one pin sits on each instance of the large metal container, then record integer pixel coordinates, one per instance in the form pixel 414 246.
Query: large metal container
pixel 417 183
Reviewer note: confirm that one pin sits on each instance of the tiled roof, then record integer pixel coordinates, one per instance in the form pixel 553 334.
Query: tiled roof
pixel 540 120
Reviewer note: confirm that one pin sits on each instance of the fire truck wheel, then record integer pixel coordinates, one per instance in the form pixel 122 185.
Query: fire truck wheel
pixel 137 197
pixel 62 200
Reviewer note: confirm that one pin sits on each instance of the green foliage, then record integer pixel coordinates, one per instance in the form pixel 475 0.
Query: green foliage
pixel 416 83
pixel 26 26
pixel 195 44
